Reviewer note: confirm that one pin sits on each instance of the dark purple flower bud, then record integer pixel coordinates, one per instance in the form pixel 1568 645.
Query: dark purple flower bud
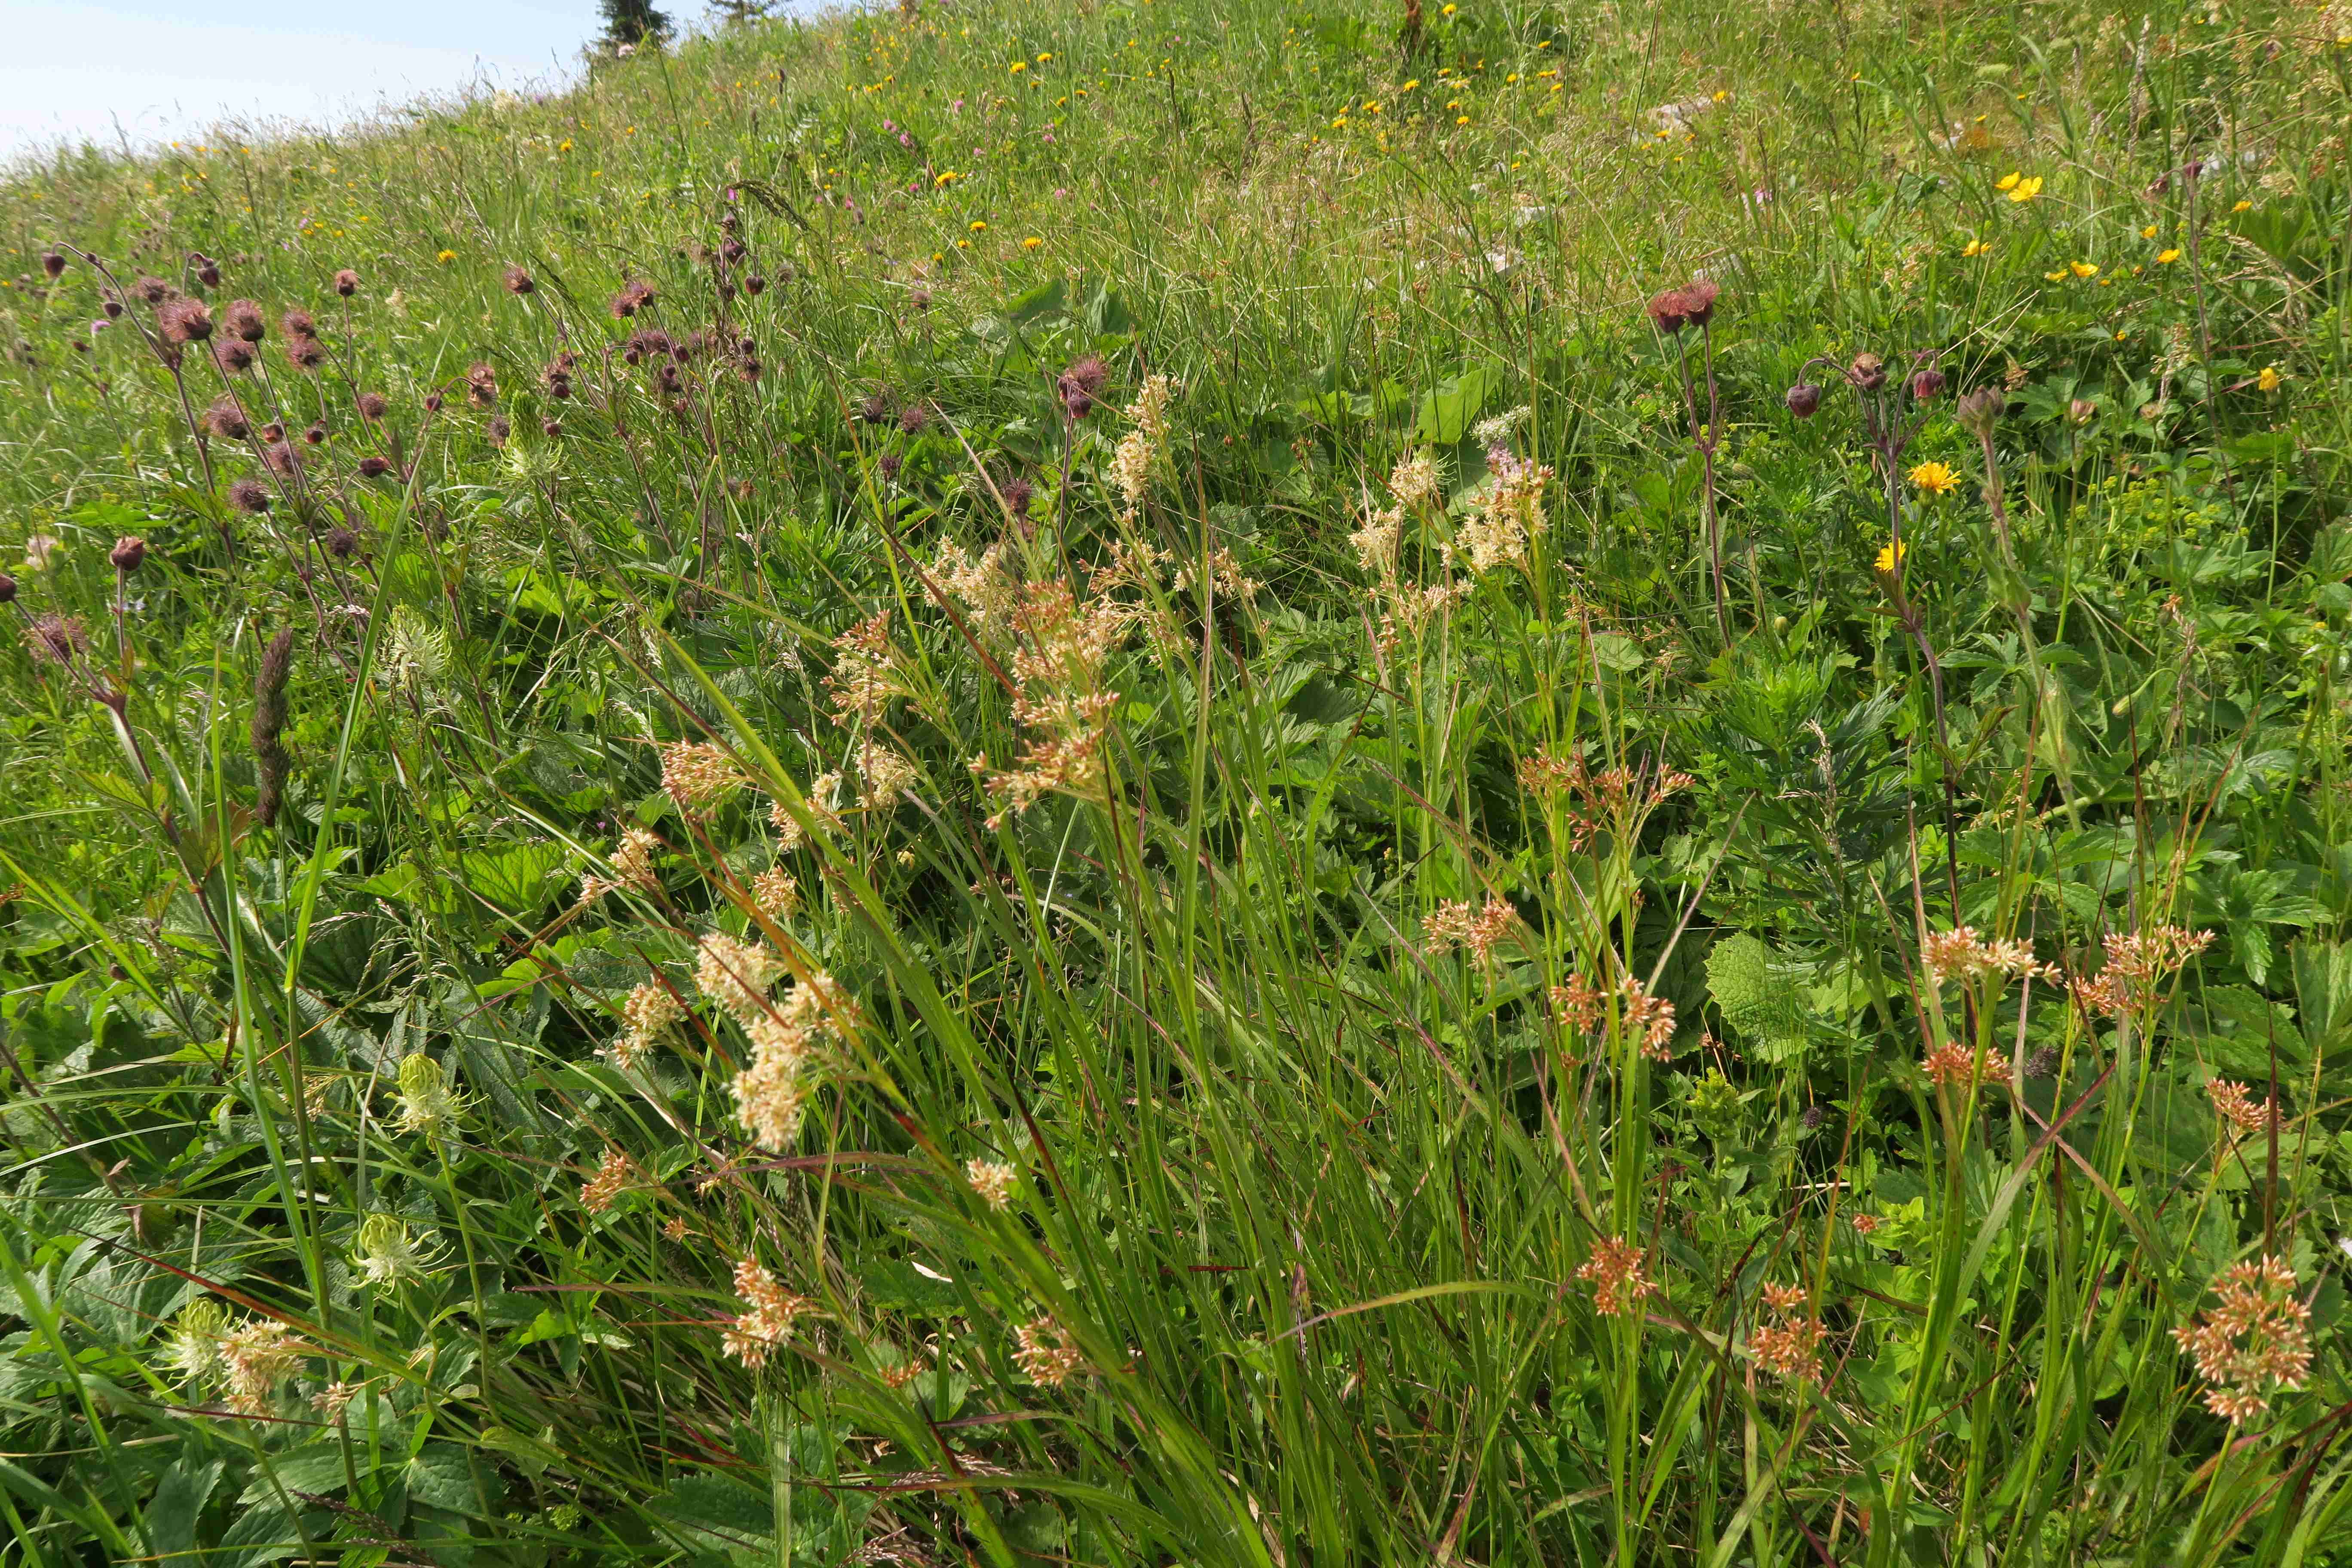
pixel 347 283
pixel 550 428
pixel 372 405
pixel 755 285
pixel 373 467
pixel 316 435
pixel 431 403
pixel 53 264
pixel 889 466
pixel 1802 399
pixel 128 553
pixel 7 589
pixel 1926 385
pixel 113 309
pixel 342 543
pixel 207 271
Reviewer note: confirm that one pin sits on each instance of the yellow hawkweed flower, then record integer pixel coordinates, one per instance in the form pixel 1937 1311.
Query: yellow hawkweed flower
pixel 1408 85
pixel 2270 378
pixel 2026 190
pixel 1047 58
pixel 2241 206
pixel 1032 243
pixel 1019 66
pixel 979 226
pixel 446 257
pixel 1935 478
pixel 1890 556
pixel 2167 257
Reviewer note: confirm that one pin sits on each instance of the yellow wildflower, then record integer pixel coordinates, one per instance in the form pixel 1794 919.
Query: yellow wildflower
pixel 446 257
pixel 2167 257
pixel 1890 556
pixel 1975 248
pixel 979 226
pixel 1934 478
pixel 2082 269
pixel 2026 190
pixel 1032 243
pixel 2008 182
pixel 2270 378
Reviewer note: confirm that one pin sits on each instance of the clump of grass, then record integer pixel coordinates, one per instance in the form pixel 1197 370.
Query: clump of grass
pixel 992 847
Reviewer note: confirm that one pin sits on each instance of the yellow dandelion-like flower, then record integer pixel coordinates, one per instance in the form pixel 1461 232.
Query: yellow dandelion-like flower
pixel 1975 248
pixel 1047 58
pixel 446 257
pixel 2242 206
pixel 2083 268
pixel 1461 119
pixel 963 245
pixel 2025 190
pixel 979 226
pixel 1890 556
pixel 1020 66
pixel 1934 478
pixel 2270 378
pixel 1408 85
pixel 2167 257
pixel 1032 243
pixel 1449 10
pixel 2149 233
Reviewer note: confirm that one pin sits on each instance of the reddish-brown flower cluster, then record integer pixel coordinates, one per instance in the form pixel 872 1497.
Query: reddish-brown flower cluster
pixel 1046 1353
pixel 2237 1107
pixel 1617 1275
pixel 1953 1066
pixel 1480 930
pixel 769 1323
pixel 1960 954
pixel 1790 1345
pixel 1615 798
pixel 596 1193
pixel 2254 1341
pixel 1583 1006
pixel 2135 962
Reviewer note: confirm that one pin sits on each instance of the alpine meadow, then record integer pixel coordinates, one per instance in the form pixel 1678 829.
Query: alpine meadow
pixel 1196 783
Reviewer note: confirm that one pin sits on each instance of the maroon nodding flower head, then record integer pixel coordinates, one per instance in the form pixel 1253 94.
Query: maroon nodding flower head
pixel 889 466
pixel 305 353
pixel 273 431
pixel 207 270
pixel 920 297
pixel 1927 383
pixel 1867 372
pixel 241 318
pixel 372 405
pixel 297 323
pixel 1698 300
pixel 1802 399
pixel 914 419
pixel 151 290
pixel 184 320
pixel 481 385
pixel 1979 411
pixel 234 355
pixel 499 429
pixel 750 368
pixel 347 283
pixel 1017 493
pixel 316 435
pixel 57 638
pixel 228 421
pixel 755 285
pixel 7 589
pixel 1082 384
pixel 280 456
pixel 342 543
pixel 876 408
pixel 550 428
pixel 53 264
pixel 518 281
pixel 113 309
pixel 1667 312
pixel 374 467
pixel 431 403
pixel 733 250
pixel 129 553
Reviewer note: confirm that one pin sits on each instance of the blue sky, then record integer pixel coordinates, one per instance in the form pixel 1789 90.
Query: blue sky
pixel 155 69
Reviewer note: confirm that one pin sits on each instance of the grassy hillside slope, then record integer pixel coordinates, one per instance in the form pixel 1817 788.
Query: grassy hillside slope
pixel 1193 783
